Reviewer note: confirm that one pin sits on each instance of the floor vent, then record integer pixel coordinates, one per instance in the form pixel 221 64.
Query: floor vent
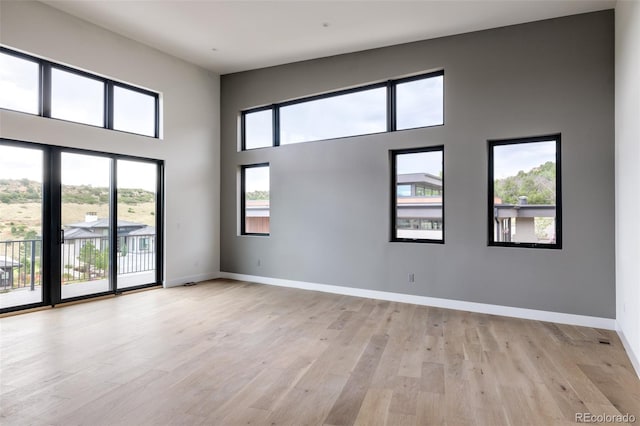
pixel 604 341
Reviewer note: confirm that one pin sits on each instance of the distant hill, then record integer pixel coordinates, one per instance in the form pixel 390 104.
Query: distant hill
pixel 538 185
pixel 19 191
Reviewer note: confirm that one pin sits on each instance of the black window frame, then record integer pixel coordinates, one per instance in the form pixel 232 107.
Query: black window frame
pixel 38 62
pixel 48 86
pixel 391 110
pixel 243 206
pixel 45 92
pixel 393 154
pixel 491 144
pixel 243 128
pixel 110 104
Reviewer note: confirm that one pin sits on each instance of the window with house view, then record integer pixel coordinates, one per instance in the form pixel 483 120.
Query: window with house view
pixel 524 192
pixel 418 204
pixel 255 199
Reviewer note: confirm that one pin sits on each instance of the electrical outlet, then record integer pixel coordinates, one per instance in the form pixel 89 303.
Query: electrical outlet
pixel 412 277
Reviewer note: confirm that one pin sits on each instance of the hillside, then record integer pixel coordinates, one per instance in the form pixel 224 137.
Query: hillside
pixel 538 185
pixel 16 191
pixel 21 214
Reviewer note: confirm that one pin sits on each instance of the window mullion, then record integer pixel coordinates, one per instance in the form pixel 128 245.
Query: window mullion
pixel 391 106
pixel 108 104
pixel 45 94
pixel 276 125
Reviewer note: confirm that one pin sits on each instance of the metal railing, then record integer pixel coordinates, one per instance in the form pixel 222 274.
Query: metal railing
pixel 20 264
pixel 83 259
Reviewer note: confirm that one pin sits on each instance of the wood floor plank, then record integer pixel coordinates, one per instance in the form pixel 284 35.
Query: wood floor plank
pixel 236 353
pixel 346 408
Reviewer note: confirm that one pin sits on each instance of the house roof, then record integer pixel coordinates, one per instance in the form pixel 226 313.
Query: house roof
pixel 74 233
pixel 147 230
pixel 103 224
pixel 7 262
pixel 420 178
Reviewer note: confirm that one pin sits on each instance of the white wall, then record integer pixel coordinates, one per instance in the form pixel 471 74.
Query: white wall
pixel 628 176
pixel 191 143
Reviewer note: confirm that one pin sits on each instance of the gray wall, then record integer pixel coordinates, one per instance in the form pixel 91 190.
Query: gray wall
pixel 330 199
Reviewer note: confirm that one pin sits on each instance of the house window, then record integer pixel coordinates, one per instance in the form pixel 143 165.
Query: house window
pixel 417 218
pixel 143 244
pixel 134 111
pixel 255 219
pixel 19 83
pixel 37 86
pixel 524 192
pixel 404 190
pixel 334 116
pixel 257 128
pixel 398 104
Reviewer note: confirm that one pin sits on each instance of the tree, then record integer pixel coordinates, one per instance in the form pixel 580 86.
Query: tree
pixel 538 185
pixel 90 255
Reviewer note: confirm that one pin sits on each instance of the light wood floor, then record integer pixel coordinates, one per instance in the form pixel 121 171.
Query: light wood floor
pixel 232 353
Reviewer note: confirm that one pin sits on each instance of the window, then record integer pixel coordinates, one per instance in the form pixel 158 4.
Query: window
pixel 524 192
pixel 134 111
pixel 382 107
pixel 77 98
pixel 19 83
pixel 32 85
pixel 257 129
pixel 355 113
pixel 255 199
pixel 419 102
pixel 417 195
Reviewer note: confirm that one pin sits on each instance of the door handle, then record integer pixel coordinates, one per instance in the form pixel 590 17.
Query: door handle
pixel 62 236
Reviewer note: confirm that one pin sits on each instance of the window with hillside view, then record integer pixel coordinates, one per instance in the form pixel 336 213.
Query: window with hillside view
pixel 524 192
pixel 255 218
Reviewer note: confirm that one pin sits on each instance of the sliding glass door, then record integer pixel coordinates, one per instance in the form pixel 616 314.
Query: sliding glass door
pixel 21 177
pixel 76 224
pixel 137 217
pixel 86 228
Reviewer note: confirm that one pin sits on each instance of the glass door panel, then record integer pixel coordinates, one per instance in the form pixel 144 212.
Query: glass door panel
pixel 136 255
pixel 21 174
pixel 85 196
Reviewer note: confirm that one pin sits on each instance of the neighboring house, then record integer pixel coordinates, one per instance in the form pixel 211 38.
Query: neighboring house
pixel 257 216
pixel 134 236
pixel 419 213
pixel 135 243
pixel 419 206
pixel 517 222
pixel 6 271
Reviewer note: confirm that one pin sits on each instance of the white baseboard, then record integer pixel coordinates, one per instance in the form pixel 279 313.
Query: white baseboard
pixel 191 279
pixel 633 356
pixel 484 308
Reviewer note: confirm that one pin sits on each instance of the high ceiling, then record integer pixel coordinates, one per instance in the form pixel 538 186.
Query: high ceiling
pixel 231 36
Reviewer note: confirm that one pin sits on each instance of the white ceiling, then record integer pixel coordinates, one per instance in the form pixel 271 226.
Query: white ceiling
pixel 256 34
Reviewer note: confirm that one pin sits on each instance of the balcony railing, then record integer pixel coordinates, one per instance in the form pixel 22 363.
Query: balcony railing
pixel 20 264
pixel 83 259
